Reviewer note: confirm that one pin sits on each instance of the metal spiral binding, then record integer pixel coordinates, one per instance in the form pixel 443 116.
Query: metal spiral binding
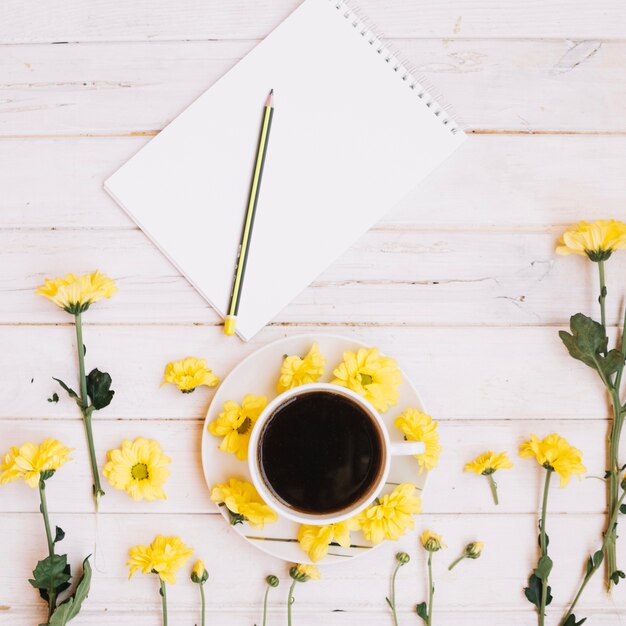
pixel 398 66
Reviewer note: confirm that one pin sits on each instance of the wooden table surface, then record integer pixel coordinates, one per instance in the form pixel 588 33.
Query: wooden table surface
pixel 460 283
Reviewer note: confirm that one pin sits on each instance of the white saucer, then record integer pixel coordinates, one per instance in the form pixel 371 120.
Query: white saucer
pixel 258 374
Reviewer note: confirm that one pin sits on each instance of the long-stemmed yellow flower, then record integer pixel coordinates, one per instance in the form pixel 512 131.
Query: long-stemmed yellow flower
pixel 35 465
pixel 431 542
pixel 164 557
pixel 299 573
pixel 555 455
pixel 588 342
pixel 75 294
pixel 199 576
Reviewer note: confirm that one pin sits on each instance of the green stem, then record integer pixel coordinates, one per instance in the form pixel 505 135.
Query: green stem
pixel 46 521
pixel 602 298
pixel 431 590
pixel 87 411
pixel 164 601
pixel 290 601
pixel 393 594
pixel 594 568
pixel 265 605
pixel 613 489
pixel 494 488
pixel 456 562
pixel 543 545
pixel 203 603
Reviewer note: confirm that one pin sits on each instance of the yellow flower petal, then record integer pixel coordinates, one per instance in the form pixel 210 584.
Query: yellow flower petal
pixel 598 240
pixel 74 293
pixel 555 454
pixel 139 467
pixel 296 371
pixel 488 462
pixel 189 373
pixel 418 426
pixel 29 460
pixel 165 556
pixel 241 498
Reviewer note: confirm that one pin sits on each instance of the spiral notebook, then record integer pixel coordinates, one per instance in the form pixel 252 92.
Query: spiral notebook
pixel 353 132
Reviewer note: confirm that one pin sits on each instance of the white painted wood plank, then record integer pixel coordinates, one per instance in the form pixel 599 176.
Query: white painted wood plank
pixel 491 584
pixel 392 276
pixel 515 86
pixel 502 181
pixel 233 617
pixel 98 20
pixel 461 372
pixel 448 490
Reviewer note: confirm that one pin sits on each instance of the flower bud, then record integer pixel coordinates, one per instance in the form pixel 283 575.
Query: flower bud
pixel 403 558
pixel 474 550
pixel 624 483
pixel 302 573
pixel 272 580
pixel 199 574
pixel 432 542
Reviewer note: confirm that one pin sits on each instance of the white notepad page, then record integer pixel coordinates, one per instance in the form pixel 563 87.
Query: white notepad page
pixel 352 133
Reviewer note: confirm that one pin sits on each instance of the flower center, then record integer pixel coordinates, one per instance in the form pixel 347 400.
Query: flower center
pixel 244 427
pixel 139 471
pixel 366 379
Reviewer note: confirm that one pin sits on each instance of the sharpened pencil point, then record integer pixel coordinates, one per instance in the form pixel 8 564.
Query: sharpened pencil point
pixel 270 99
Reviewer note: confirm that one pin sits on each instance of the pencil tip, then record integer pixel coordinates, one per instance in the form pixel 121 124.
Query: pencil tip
pixel 271 92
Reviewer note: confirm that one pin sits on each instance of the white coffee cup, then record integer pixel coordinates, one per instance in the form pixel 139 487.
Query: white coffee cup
pixel 389 449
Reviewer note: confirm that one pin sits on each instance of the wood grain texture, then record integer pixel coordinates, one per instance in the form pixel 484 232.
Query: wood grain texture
pixel 525 86
pixel 473 278
pixel 494 182
pixel 498 373
pixel 154 20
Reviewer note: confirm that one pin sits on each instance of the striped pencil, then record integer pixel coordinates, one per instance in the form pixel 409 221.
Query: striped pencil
pixel 248 224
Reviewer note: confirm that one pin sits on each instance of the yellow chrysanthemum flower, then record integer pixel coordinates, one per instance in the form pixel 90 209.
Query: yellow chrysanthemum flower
pixel 244 502
pixel 390 516
pixel 74 293
pixel 235 424
pixel 29 461
pixel 431 541
pixel 314 540
pixel 418 426
pixel 296 371
pixel 488 462
pixel 371 375
pixel 555 454
pixel 302 572
pixel 139 467
pixel 164 556
pixel 189 373
pixel 597 240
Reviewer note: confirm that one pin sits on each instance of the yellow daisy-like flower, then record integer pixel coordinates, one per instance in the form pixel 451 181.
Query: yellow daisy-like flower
pixel 390 516
pixel 28 461
pixel 487 463
pixel 302 572
pixel 431 541
pixel 418 426
pixel 555 454
pixel 164 556
pixel 74 293
pixel 189 373
pixel 314 540
pixel 597 240
pixel 371 375
pixel 244 502
pixel 139 467
pixel 296 371
pixel 235 424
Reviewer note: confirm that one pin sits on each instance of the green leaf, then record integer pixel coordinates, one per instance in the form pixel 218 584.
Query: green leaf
pixel 389 603
pixel 52 574
pixel 422 611
pixel 587 340
pixel 54 397
pixel 612 362
pixel 616 575
pixel 99 389
pixel 59 534
pixel 70 608
pixel 70 392
pixel 622 509
pixel 544 567
pixel 533 591
pixel 589 567
pixel 597 558
pixel 571 621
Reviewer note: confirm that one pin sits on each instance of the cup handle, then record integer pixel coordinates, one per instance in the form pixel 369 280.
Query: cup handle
pixel 407 448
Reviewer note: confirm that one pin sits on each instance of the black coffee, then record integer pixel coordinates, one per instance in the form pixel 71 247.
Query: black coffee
pixel 320 453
